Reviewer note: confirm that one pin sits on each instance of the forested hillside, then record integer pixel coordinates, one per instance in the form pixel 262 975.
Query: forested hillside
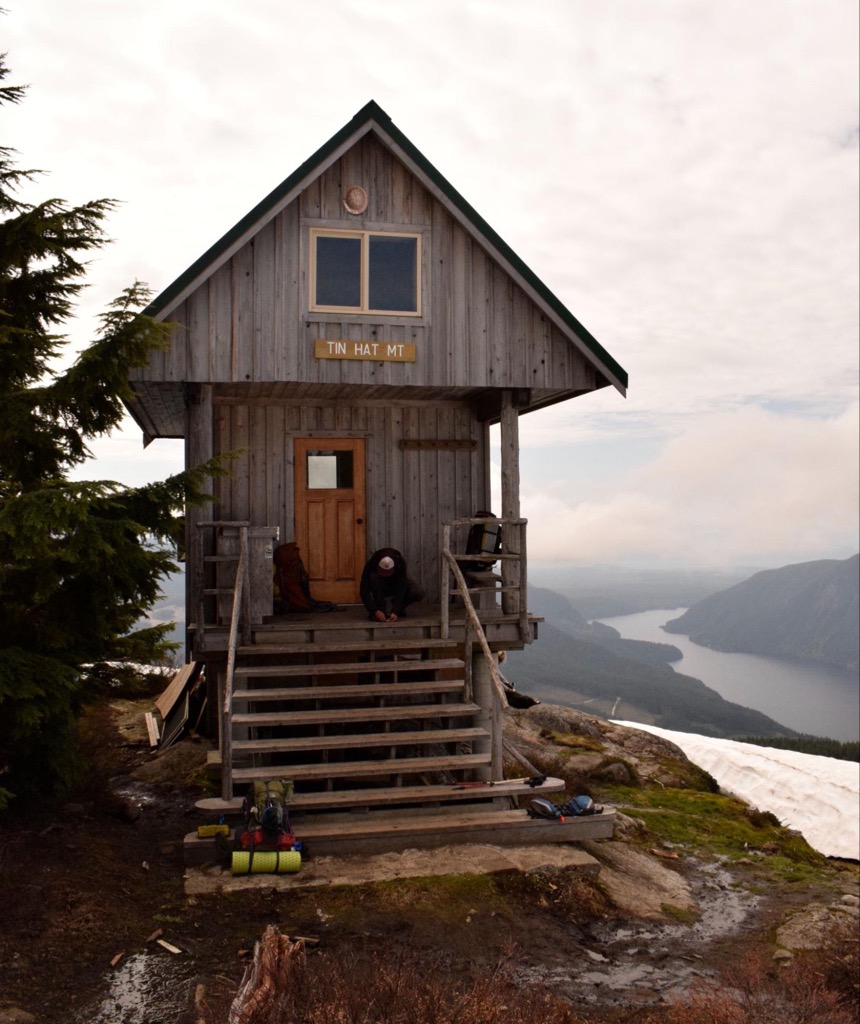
pixel 809 611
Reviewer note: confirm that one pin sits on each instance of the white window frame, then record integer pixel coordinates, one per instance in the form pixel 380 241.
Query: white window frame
pixel 364 236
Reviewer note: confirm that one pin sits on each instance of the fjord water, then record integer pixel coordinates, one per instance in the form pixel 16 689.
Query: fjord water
pixel 808 698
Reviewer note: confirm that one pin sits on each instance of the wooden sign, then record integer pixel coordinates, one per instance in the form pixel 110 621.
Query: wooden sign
pixel 380 351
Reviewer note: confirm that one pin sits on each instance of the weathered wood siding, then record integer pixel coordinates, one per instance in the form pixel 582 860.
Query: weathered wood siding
pixel 408 492
pixel 249 320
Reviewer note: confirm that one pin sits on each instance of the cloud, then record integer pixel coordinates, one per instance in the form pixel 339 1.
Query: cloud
pixel 688 192
pixel 742 487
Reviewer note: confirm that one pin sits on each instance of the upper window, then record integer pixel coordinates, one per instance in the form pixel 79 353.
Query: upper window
pixel 365 272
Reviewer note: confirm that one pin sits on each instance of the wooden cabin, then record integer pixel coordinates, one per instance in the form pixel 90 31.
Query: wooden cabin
pixel 352 340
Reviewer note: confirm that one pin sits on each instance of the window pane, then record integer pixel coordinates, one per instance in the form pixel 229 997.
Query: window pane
pixel 328 469
pixel 338 281
pixel 394 273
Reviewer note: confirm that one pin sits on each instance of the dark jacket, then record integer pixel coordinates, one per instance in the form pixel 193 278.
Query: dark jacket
pixel 385 594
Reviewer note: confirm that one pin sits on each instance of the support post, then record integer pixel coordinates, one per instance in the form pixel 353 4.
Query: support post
pixel 198 449
pixel 510 445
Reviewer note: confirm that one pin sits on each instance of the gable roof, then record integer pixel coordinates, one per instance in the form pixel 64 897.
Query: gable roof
pixel 373 118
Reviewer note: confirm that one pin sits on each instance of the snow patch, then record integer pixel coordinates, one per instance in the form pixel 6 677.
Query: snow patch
pixel 817 796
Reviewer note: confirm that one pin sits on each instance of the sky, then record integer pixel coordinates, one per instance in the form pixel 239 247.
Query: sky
pixel 682 174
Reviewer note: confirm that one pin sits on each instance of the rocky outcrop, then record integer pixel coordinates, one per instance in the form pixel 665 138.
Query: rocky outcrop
pixel 571 744
pixel 811 927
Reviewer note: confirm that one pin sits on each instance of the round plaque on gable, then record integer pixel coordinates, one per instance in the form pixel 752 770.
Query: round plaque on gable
pixel 355 199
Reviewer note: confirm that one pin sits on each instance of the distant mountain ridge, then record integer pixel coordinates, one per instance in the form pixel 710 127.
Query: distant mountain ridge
pixel 809 611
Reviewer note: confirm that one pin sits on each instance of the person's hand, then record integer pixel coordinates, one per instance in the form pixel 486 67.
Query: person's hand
pixel 380 616
pixel 392 617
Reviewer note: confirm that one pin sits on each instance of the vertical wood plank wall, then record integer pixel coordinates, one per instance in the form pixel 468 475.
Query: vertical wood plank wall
pixel 249 320
pixel 409 492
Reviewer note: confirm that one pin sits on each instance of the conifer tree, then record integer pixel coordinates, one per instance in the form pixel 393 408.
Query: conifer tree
pixel 80 561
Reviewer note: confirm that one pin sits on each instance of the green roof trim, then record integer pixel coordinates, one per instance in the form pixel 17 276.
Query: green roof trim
pixel 372 112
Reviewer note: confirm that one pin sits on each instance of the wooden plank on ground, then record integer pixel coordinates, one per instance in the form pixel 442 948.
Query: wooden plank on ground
pixel 175 688
pixel 151 728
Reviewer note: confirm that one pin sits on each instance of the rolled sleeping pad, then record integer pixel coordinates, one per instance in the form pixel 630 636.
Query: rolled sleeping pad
pixel 266 862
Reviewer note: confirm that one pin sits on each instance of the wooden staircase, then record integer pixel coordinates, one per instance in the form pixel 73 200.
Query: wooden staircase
pixel 326 715
pixel 391 735
pixel 385 747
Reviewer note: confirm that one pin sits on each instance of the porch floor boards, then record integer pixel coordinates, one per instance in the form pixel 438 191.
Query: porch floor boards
pixel 305 631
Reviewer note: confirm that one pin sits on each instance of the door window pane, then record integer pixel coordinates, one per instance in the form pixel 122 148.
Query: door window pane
pixel 329 469
pixel 338 271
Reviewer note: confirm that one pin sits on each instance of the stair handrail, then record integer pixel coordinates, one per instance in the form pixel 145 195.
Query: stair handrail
pixel 474 622
pixel 238 616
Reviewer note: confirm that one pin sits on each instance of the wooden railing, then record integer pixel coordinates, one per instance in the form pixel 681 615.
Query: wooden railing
pixel 473 627
pixel 239 596
pixel 513 562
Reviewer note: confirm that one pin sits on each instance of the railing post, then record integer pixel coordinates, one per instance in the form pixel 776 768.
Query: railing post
pixel 239 591
pixel 244 555
pixel 198 550
pixel 444 601
pixel 523 584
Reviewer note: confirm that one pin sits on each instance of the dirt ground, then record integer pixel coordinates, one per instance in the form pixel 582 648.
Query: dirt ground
pixel 89 889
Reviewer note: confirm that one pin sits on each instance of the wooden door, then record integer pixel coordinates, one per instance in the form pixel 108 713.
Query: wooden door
pixel 330 514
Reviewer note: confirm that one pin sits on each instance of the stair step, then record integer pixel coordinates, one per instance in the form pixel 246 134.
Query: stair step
pixel 496 827
pixel 394 822
pixel 346 691
pixel 354 769
pixel 407 644
pixel 344 668
pixel 397 795
pixel 352 741
pixel 405 711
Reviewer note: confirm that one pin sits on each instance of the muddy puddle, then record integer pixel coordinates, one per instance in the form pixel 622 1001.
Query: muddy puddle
pixel 646 964
pixel 137 794
pixel 146 988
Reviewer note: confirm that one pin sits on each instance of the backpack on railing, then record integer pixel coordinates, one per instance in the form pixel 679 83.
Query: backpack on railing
pixel 483 539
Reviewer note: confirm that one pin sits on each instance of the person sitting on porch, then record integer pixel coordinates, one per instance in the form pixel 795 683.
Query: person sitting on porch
pixel 386 588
